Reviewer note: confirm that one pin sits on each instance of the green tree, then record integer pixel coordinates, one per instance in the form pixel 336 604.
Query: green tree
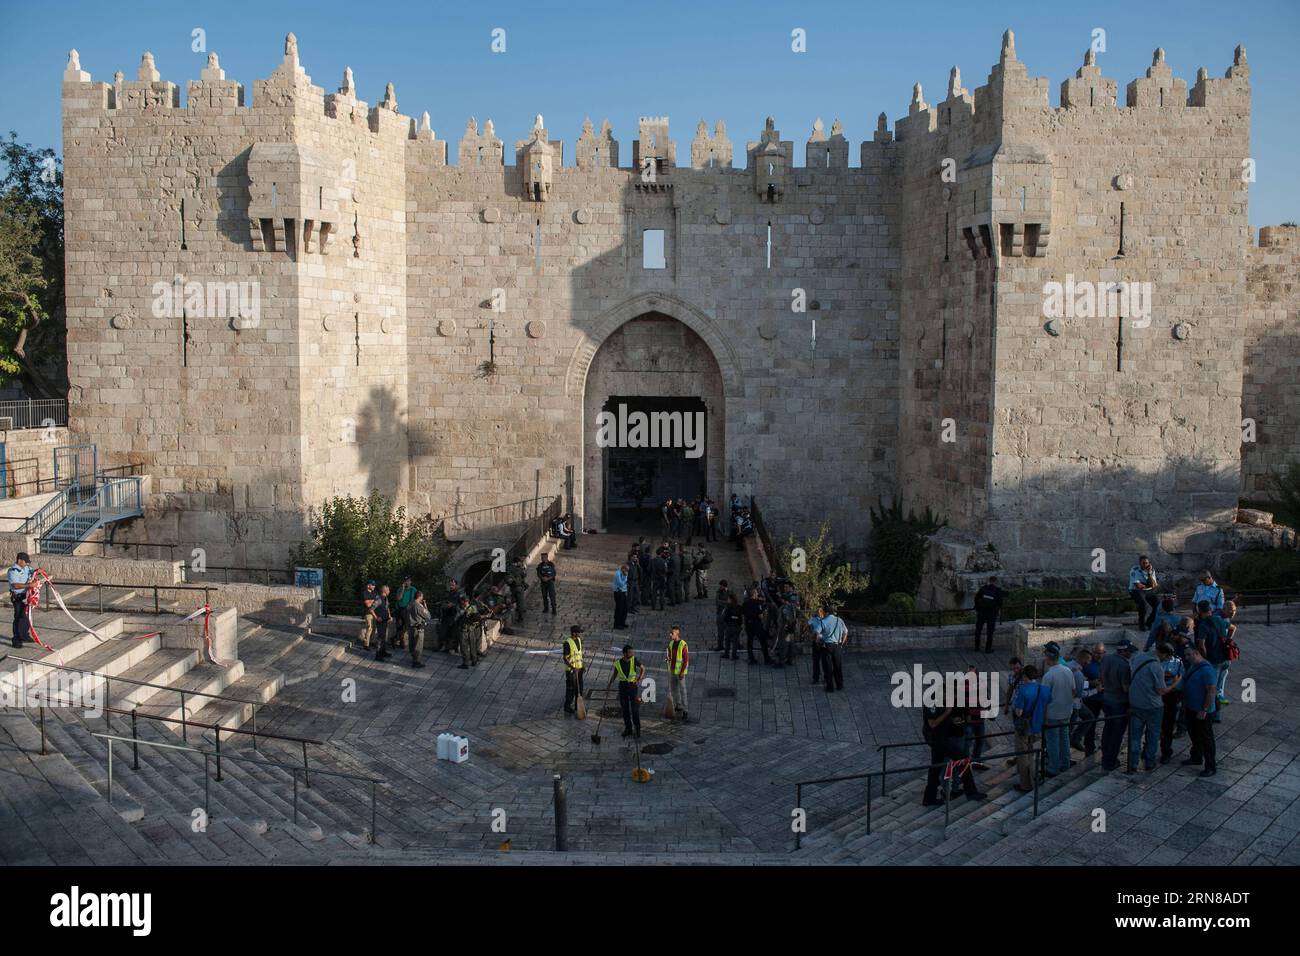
pixel 356 539
pixel 32 317
pixel 898 548
pixel 818 571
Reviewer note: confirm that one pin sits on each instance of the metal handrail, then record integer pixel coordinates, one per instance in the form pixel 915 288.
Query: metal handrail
pixel 108 686
pixel 134 714
pixel 883 749
pixel 155 588
pixel 207 756
pixel 883 775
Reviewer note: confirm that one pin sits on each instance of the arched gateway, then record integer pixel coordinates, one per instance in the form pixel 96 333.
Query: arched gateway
pixel 656 380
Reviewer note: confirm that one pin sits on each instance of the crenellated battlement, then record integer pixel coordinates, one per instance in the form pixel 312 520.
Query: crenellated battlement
pixel 1009 91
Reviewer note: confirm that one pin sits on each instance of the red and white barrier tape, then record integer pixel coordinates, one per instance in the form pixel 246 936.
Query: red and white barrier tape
pixel 34 600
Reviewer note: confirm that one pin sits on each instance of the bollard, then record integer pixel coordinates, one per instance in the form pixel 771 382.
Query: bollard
pixel 561 816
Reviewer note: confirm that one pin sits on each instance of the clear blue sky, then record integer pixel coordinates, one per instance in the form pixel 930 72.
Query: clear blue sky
pixel 728 60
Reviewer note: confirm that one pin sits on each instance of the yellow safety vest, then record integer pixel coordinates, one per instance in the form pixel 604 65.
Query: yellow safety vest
pixel 628 676
pixel 574 644
pixel 676 665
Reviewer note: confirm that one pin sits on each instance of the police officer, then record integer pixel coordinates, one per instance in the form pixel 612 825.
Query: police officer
pixel 517 581
pixel 20 579
pixel 629 672
pixel 573 669
pixel 679 662
pixel 546 578
pixel 633 580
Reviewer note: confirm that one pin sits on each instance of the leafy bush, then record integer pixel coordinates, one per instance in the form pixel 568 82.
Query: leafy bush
pixel 899 601
pixel 898 548
pixel 356 539
pixel 1264 571
pixel 818 572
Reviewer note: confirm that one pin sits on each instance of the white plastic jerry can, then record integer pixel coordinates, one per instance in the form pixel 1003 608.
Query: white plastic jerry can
pixel 443 746
pixel 458 749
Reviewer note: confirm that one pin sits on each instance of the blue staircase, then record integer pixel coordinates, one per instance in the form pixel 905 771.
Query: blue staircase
pixel 78 511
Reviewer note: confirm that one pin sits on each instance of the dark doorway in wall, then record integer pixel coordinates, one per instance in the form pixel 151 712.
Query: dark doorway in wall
pixel 637 480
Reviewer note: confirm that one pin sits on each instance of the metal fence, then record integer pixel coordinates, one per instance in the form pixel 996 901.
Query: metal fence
pixel 34 413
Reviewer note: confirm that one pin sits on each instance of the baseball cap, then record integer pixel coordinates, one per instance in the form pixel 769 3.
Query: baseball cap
pixel 1126 645
pixel 576 629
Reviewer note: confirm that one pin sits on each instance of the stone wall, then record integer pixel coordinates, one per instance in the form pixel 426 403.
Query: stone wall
pixel 443 332
pixel 1113 431
pixel 1272 356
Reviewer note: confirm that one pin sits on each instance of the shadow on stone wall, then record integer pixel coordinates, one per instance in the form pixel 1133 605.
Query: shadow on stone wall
pixel 381 434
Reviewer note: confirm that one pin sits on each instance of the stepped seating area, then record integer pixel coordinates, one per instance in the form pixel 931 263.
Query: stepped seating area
pixel 723 787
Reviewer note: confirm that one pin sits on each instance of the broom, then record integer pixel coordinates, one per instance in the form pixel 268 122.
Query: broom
pixel 580 706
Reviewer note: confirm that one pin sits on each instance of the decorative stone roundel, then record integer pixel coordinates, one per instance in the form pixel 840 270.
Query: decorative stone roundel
pixel 1182 330
pixel 1051 327
pixel 120 321
pixel 536 328
pixel 817 217
pixel 722 215
pixel 767 330
pixel 1124 181
pixel 330 323
pixel 491 214
pixel 387 324
pixel 582 216
pixel 446 327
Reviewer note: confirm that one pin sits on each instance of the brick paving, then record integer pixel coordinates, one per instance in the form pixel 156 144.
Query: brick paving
pixel 723 785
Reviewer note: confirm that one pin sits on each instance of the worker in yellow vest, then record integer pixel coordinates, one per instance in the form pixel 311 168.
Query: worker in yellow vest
pixel 573 669
pixel 629 672
pixel 679 662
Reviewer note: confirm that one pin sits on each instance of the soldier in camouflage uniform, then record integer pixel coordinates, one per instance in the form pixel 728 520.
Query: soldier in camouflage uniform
pixel 686 570
pixel 659 579
pixel 468 628
pixel 517 581
pixel 703 558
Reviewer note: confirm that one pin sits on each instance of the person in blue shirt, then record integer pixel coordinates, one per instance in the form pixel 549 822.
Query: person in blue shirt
pixel 1211 629
pixel 1173 701
pixel 1200 689
pixel 1028 711
pixel 832 632
pixel 1165 616
pixel 20 579
pixel 1208 590
pixel 620 598
pixel 1143 587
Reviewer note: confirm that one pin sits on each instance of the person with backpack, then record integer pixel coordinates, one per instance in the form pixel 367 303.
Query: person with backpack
pixel 1028 713
pixel 1146 699
pixel 786 628
pixel 945 731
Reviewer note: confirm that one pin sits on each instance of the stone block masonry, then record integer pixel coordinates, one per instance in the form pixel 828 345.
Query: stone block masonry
pixel 446 333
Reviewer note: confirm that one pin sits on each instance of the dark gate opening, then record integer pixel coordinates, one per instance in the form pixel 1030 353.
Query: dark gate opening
pixel 638 480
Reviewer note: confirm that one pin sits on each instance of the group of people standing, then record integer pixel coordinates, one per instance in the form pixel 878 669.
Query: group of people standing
pixel 665 578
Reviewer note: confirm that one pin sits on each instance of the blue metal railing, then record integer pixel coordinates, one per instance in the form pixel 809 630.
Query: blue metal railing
pixel 71 517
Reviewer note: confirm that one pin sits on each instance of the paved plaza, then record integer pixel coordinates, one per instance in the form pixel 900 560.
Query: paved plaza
pixel 723 785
